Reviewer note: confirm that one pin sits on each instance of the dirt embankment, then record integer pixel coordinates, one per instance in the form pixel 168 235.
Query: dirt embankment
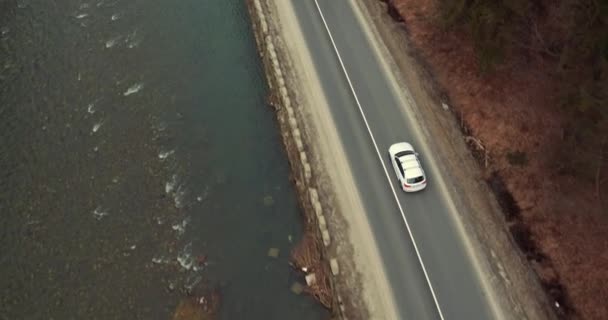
pixel 517 132
pixel 315 256
pixel 309 255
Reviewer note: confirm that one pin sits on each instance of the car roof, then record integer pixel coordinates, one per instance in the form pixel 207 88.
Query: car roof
pixel 409 161
pixel 411 166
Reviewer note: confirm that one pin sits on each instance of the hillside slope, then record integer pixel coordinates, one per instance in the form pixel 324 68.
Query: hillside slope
pixel 549 158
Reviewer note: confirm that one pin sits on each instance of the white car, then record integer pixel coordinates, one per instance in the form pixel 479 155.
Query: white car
pixel 407 167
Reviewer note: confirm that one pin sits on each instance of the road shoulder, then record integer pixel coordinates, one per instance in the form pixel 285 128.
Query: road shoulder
pixel 362 282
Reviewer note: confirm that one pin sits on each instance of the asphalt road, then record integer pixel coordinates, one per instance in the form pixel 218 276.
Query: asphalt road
pixel 449 266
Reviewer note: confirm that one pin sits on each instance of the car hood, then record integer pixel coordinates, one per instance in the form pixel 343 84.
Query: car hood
pixel 398 147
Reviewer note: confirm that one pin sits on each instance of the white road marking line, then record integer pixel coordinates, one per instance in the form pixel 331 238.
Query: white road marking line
pixel 352 89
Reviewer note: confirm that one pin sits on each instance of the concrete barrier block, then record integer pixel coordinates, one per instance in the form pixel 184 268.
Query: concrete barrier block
pixel 314 195
pixel 303 157
pixel 280 75
pixel 264 27
pixel 307 172
pixel 322 223
pixel 318 208
pixel 335 270
pixel 275 64
pixel 326 239
pixel 283 91
pixel 293 124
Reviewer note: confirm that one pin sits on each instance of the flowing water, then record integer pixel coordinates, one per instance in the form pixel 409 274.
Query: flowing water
pixel 139 161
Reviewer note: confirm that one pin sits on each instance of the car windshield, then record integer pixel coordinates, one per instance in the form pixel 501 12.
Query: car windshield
pixel 415 180
pixel 403 153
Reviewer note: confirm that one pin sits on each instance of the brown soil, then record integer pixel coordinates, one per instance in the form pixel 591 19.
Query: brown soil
pixel 556 217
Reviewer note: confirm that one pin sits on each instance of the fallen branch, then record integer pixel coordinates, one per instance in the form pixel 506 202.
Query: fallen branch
pixel 307 258
pixel 478 145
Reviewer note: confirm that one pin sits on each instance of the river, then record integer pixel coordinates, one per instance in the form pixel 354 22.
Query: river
pixel 139 161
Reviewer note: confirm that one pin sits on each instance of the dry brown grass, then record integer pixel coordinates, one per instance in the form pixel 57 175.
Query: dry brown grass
pixel 513 111
pixel 307 255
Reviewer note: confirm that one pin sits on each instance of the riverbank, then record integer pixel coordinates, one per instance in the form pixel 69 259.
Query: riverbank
pixel 516 137
pixel 309 256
